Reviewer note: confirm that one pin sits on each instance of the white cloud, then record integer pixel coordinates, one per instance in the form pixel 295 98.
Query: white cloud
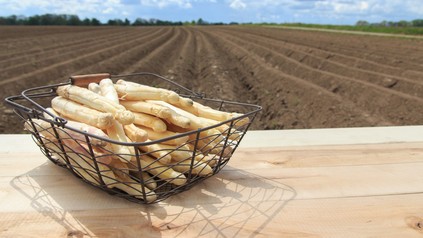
pixel 415 6
pixel 268 17
pixel 320 11
pixel 166 3
pixel 66 7
pixel 237 4
pixel 341 7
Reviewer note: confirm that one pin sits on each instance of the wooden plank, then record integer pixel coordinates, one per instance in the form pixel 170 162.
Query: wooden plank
pixel 387 216
pixel 332 136
pixel 314 191
pixel 333 155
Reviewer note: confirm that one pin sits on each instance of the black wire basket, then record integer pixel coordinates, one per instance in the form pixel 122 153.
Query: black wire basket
pixel 149 176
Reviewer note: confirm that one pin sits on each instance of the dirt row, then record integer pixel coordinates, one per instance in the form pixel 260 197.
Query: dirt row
pixel 303 79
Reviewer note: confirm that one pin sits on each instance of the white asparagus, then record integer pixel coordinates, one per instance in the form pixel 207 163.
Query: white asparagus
pixel 117 133
pixel 133 91
pixel 134 188
pixel 148 180
pixel 108 90
pixel 196 122
pixel 82 127
pixel 176 152
pixel 51 111
pixel 96 101
pixel 162 171
pixel 207 112
pixel 153 151
pixel 198 168
pixel 224 129
pixel 181 160
pixel 94 87
pixel 148 108
pixel 152 135
pixel 82 162
pixel 82 113
pixel 135 133
pixel 213 147
pixel 160 153
pixel 149 121
pixel 167 95
pixel 65 133
pixel 179 120
pixel 53 147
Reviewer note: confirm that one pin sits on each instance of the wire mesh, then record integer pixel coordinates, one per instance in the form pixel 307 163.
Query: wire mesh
pixel 153 170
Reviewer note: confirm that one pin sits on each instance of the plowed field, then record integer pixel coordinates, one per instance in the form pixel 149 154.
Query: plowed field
pixel 303 79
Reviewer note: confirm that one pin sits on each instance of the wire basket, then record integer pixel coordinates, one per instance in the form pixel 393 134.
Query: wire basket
pixel 149 176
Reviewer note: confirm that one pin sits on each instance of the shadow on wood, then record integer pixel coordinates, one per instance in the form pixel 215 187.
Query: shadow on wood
pixel 219 206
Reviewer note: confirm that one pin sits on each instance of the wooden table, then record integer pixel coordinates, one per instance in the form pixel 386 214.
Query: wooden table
pixel 360 182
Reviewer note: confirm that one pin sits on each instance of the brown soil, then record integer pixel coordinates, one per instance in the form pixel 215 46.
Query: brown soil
pixel 303 79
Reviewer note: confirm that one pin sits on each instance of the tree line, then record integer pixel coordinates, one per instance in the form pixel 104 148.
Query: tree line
pixel 74 20
pixel 403 23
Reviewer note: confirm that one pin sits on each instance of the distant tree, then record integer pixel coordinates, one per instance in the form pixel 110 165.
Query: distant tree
pixel 404 23
pixel 34 20
pixel 391 23
pixel 200 22
pixel 86 22
pixel 115 22
pixel 73 20
pixel 384 23
pixel 95 22
pixel 126 22
pixel 233 23
pixel 47 19
pixel 417 23
pixel 11 20
pixel 362 23
pixel 138 22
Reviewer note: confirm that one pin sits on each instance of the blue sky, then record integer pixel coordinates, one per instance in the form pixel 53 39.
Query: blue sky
pixel 280 11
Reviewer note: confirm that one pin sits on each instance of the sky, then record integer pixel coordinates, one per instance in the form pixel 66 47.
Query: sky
pixel 242 11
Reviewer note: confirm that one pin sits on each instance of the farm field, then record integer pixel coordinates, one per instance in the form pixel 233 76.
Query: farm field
pixel 303 79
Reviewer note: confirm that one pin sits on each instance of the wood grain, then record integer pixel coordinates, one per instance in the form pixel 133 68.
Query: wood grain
pixel 313 191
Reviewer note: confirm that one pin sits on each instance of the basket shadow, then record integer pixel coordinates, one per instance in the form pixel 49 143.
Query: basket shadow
pixel 232 203
pixel 223 204
pixel 78 208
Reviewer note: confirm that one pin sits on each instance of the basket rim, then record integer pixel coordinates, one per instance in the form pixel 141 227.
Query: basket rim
pixel 61 122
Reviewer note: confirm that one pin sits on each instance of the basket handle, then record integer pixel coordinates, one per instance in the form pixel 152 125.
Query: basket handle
pixel 85 79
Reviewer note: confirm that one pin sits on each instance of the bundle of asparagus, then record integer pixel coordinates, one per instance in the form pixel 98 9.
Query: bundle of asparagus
pixel 129 112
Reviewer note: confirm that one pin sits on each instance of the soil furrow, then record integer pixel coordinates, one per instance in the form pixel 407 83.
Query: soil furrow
pixel 33 64
pixel 291 90
pixel 77 62
pixel 301 79
pixel 321 66
pixel 221 75
pixel 40 43
pixel 16 59
pixel 156 57
pixel 321 59
pixel 183 69
pixel 14 32
pixel 90 63
pixel 118 63
pixel 332 55
pixel 351 92
pixel 43 45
